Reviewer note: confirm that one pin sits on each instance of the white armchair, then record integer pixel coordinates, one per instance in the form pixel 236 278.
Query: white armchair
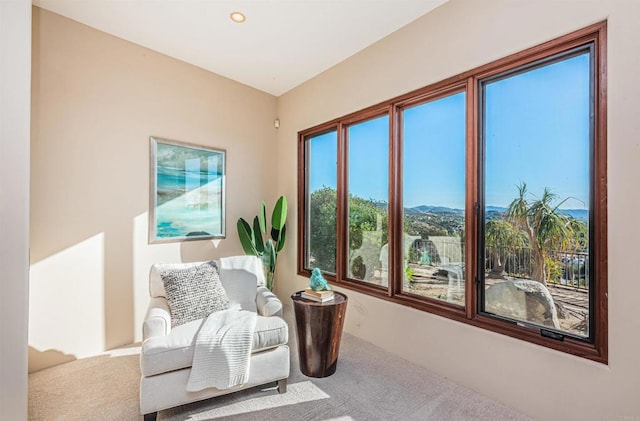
pixel 167 353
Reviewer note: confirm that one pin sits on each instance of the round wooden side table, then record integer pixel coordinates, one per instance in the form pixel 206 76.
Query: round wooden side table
pixel 319 329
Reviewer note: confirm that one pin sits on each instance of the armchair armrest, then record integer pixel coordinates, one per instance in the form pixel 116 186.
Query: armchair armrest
pixel 267 303
pixel 157 321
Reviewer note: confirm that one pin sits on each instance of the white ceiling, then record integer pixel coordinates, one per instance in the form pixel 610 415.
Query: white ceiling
pixel 282 43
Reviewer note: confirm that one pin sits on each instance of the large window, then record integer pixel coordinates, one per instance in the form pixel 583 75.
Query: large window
pixel 368 195
pixel 481 198
pixel 433 198
pixel 321 173
pixel 537 131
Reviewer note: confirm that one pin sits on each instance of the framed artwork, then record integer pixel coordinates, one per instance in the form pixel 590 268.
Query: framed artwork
pixel 187 192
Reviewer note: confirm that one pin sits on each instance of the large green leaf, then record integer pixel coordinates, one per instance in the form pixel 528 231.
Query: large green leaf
pixel 270 256
pixel 282 238
pixel 279 216
pixel 246 237
pixel 275 234
pixel 257 234
pixel 262 217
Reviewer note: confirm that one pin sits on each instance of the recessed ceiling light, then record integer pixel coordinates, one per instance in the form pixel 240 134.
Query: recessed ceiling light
pixel 237 17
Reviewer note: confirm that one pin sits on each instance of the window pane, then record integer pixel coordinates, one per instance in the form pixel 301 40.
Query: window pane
pixel 322 152
pixel 537 132
pixel 368 182
pixel 434 198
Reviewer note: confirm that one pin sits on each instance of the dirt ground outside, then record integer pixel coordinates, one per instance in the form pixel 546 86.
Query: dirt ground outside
pixel 434 282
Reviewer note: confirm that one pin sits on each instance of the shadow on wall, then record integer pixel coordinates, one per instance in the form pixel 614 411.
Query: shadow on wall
pixel 39 360
pixel 86 299
pixel 89 190
pixel 197 251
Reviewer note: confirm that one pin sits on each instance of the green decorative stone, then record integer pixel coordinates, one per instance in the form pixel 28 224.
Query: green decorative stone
pixel 317 281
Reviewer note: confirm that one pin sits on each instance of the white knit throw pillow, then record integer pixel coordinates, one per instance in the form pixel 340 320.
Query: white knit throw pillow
pixel 193 292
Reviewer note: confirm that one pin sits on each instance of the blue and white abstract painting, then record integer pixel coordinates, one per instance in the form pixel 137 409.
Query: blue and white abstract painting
pixel 188 194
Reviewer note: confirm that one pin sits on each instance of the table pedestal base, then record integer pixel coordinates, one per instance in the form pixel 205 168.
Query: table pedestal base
pixel 319 329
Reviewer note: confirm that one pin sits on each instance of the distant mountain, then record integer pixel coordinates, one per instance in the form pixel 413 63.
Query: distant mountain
pixel 495 209
pixel 493 212
pixel 435 209
pixel 579 214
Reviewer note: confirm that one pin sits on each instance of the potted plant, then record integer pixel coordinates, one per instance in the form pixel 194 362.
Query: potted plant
pixel 253 241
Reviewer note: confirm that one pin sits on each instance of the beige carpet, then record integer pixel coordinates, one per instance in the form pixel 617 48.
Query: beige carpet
pixel 369 384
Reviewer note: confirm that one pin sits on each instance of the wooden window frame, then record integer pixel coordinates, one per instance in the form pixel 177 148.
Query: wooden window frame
pixel 596 346
pixel 303 196
pixel 343 235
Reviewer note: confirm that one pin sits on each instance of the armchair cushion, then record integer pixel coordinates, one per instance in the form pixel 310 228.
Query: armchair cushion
pixel 174 351
pixel 193 292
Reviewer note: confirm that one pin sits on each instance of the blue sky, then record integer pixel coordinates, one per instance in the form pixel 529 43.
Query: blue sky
pixel 323 151
pixel 434 153
pixel 369 159
pixel 537 131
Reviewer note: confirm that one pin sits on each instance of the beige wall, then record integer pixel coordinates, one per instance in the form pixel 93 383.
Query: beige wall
pixel 458 36
pixel 15 71
pixel 96 100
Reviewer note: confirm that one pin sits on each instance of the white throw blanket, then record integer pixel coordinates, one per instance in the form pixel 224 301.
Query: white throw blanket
pixel 223 350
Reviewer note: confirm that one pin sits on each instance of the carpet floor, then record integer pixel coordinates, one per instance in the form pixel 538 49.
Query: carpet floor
pixel 369 384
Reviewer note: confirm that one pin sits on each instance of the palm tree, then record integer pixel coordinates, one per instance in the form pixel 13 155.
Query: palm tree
pixel 543 224
pixel 500 235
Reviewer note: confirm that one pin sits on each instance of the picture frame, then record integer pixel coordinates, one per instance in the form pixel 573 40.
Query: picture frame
pixel 186 191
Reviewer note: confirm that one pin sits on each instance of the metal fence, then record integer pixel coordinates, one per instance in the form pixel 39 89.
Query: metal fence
pixel 563 268
pixel 437 251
